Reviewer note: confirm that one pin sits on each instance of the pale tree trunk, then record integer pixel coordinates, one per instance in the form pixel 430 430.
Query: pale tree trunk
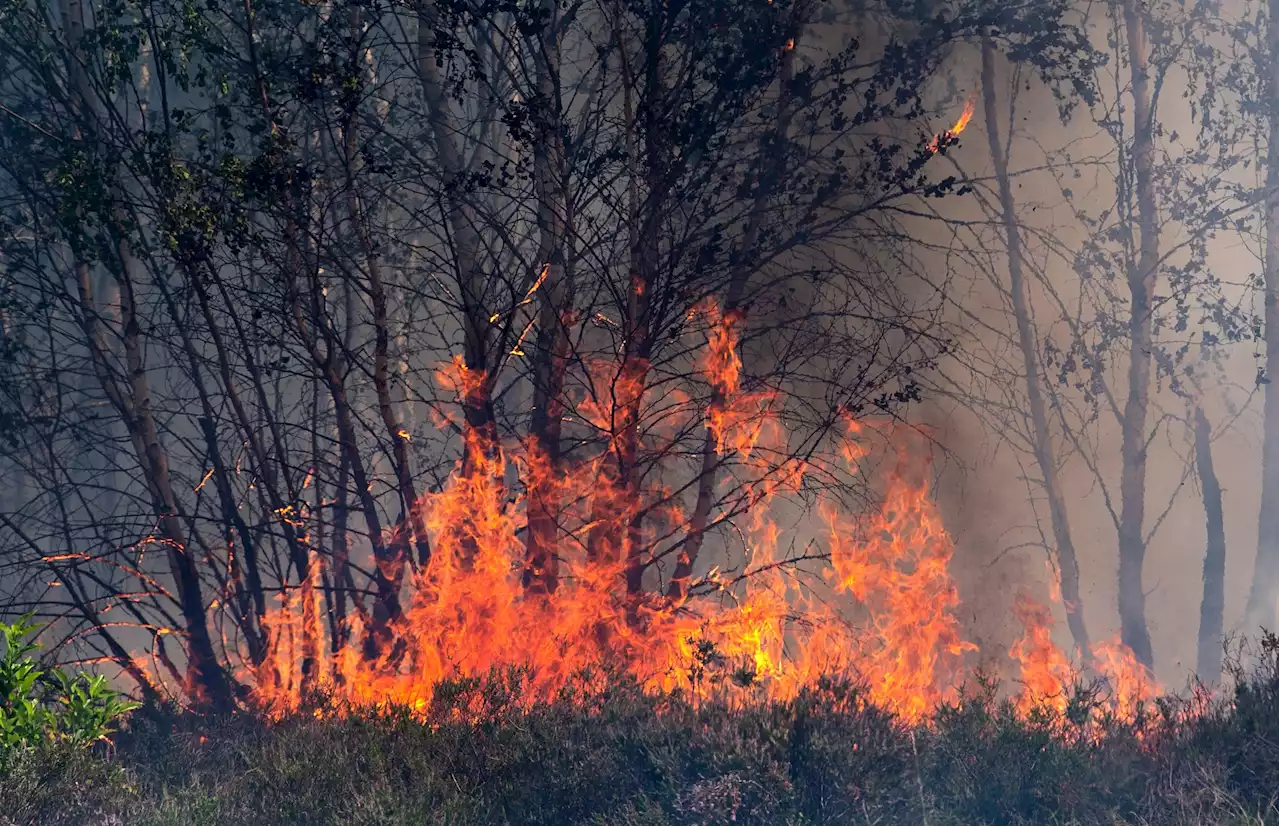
pixel 769 169
pixel 1261 608
pixel 446 131
pixel 1068 566
pixel 381 333
pixel 207 684
pixel 555 309
pixel 1142 282
pixel 1212 600
pixel 214 689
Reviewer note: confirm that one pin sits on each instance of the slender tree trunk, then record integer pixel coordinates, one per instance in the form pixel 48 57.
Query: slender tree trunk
pixel 387 585
pixel 482 441
pixel 555 311
pixel 616 533
pixel 341 556
pixel 1209 644
pixel 1142 282
pixel 605 539
pixel 207 683
pixel 329 360
pixel 251 622
pixel 638 344
pixel 1262 605
pixel 1068 566
pixel 381 333
pixel 250 433
pixel 769 168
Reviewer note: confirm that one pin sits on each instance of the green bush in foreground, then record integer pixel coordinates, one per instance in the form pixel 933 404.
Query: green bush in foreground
pixel 49 722
pixel 38 706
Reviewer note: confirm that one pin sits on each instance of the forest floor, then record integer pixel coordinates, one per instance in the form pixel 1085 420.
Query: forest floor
pixel 627 759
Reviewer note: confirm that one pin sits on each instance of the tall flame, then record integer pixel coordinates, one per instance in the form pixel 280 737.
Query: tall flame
pixel 1049 677
pixel 888 613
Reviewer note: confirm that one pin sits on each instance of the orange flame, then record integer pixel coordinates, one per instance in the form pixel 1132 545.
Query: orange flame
pixel 736 420
pixel 887 614
pixel 1048 676
pixel 951 134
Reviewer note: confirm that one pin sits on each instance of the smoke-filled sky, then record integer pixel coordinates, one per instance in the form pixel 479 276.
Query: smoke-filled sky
pixel 1000 522
pixel 859 324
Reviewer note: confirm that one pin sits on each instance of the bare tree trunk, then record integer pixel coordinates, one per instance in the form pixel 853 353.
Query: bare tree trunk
pixel 772 156
pixel 1068 566
pixel 329 361
pixel 482 439
pixel 604 540
pixel 387 583
pixel 378 297
pixel 341 556
pixel 555 310
pixel 202 662
pixel 1142 282
pixel 207 683
pixel 1262 607
pixel 256 452
pixel 613 535
pixel 250 621
pixel 638 341
pixel 1209 643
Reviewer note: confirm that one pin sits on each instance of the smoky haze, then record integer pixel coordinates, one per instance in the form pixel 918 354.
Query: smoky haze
pixel 1068 184
pixel 412 308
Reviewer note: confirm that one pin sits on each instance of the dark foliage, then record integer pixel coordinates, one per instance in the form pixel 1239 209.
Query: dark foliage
pixel 629 759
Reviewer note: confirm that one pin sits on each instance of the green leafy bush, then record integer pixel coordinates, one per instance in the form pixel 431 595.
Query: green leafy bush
pixel 40 705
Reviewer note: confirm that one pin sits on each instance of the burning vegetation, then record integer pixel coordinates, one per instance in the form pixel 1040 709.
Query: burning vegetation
pixel 880 605
pixel 516 380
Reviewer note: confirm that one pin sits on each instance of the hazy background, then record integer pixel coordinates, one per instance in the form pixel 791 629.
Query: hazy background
pixel 999 521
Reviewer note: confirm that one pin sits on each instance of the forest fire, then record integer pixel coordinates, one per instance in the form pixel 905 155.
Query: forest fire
pixel 639 413
pixel 883 609
pixel 951 134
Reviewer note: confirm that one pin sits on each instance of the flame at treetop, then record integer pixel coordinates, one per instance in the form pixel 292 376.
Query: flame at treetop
pixel 884 608
pixel 965 116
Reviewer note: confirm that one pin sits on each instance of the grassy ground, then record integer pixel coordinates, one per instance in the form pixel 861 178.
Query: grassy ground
pixel 632 760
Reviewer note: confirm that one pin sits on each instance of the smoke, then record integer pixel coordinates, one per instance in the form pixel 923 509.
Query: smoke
pixel 1069 180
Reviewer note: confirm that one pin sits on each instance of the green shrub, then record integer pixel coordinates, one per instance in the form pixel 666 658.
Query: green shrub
pixel 41 705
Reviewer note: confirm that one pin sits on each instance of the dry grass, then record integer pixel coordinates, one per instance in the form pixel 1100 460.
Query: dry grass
pixel 826 758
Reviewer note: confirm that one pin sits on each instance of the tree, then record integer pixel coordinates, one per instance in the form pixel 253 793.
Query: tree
pixel 1046 459
pixel 1261 608
pixel 302 211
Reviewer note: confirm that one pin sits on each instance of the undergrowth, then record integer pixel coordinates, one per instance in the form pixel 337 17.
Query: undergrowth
pixel 622 758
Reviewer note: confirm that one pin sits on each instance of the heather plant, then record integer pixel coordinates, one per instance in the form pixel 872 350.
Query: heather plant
pixel 606 753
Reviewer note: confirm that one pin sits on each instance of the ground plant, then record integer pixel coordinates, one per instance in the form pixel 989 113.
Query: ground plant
pixel 611 754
